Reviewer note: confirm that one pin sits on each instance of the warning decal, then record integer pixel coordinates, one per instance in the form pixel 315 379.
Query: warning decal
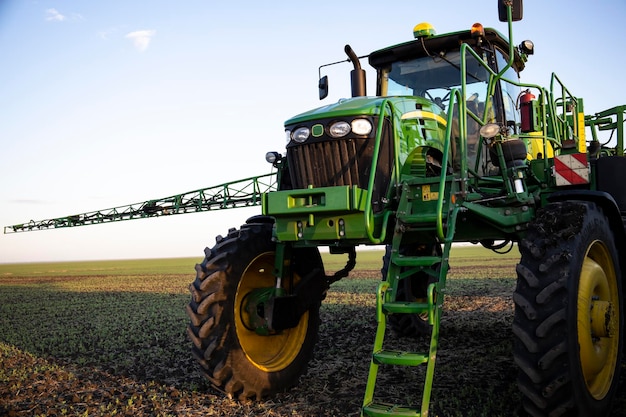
pixel 571 169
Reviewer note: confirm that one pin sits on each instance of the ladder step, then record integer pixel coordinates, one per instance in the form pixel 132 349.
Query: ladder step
pixel 415 260
pixel 405 307
pixel 419 218
pixel 389 410
pixel 396 357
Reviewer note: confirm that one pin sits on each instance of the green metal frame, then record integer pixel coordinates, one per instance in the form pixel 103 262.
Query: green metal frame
pixel 241 193
pixel 610 120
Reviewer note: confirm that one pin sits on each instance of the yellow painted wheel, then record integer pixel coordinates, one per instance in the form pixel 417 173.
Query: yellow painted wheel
pixel 568 322
pixel 597 320
pixel 233 285
pixel 273 352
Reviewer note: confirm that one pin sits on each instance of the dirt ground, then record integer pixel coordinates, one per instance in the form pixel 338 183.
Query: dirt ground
pixel 475 374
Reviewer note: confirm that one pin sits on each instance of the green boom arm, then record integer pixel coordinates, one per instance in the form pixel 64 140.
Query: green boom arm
pixel 241 193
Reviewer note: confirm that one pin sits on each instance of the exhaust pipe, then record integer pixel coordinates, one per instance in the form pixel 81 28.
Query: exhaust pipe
pixel 357 75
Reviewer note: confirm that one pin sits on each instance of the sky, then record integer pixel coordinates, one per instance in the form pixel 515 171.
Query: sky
pixel 107 103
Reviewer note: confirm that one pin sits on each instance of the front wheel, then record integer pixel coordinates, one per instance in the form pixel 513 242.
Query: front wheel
pixel 234 355
pixel 568 323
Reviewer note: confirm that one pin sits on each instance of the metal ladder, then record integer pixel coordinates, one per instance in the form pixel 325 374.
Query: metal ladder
pixel 386 303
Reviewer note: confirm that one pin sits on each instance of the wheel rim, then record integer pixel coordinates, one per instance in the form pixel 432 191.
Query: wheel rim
pixel 274 352
pixel 598 320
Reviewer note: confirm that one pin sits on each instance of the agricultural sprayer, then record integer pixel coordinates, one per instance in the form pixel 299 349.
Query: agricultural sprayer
pixel 453 147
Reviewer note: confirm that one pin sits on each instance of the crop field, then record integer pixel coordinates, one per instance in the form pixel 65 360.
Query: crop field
pixel 108 338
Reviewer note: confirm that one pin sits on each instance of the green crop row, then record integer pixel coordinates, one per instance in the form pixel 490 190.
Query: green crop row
pixel 108 338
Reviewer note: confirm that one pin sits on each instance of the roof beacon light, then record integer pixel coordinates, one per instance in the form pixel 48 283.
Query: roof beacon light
pixel 477 30
pixel 424 30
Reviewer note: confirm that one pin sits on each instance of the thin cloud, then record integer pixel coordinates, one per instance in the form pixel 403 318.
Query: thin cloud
pixel 141 38
pixel 106 33
pixel 53 15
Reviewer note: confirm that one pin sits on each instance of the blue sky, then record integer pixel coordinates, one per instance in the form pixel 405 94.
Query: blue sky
pixel 106 103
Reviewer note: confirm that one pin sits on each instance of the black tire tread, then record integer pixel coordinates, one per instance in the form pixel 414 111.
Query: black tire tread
pixel 542 349
pixel 211 326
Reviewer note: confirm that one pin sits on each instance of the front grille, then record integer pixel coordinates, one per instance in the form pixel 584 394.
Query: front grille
pixel 331 163
pixel 334 162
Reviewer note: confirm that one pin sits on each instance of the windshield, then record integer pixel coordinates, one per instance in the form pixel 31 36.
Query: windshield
pixel 433 77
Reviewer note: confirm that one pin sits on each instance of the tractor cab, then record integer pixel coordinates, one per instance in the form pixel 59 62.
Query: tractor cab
pixel 475 62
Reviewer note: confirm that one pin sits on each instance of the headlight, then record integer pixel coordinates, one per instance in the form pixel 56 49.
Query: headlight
pixel 301 134
pixel 361 126
pixel 272 157
pixel 489 130
pixel 339 129
pixel 288 135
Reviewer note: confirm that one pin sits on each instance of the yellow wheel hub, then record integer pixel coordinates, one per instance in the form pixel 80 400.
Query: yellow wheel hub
pixel 598 320
pixel 270 353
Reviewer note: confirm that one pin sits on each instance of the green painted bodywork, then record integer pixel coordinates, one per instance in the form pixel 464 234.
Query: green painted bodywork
pixel 411 135
pixel 320 214
pixel 348 205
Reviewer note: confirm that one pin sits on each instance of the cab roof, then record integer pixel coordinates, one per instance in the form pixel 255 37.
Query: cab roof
pixel 433 45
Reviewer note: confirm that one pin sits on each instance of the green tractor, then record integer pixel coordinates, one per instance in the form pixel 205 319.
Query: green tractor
pixel 452 148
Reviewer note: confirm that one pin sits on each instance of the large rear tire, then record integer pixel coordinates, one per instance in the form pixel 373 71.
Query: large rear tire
pixel 568 323
pixel 234 357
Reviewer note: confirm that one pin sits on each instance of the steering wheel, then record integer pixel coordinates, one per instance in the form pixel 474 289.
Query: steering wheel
pixel 440 101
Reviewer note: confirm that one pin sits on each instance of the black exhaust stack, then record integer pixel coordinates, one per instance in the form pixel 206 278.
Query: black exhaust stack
pixel 357 75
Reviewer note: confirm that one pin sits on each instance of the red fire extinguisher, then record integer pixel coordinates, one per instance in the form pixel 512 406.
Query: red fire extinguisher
pixel 526 111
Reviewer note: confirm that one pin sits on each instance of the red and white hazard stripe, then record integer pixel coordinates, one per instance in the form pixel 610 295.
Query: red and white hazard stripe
pixel 571 169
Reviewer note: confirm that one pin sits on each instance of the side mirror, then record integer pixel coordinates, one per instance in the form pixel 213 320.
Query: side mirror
pixel 323 86
pixel 516 10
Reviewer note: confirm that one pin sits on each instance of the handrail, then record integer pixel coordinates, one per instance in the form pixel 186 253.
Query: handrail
pixel 565 98
pixel 385 108
pixel 547 98
pixel 454 94
pixel 491 87
pixel 369 212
